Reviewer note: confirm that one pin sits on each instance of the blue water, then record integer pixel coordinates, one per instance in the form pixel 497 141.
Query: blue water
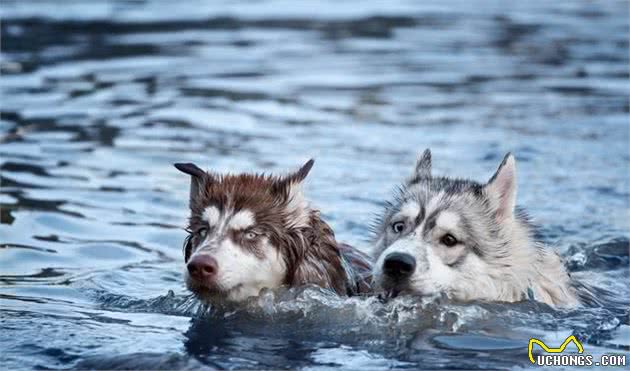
pixel 98 99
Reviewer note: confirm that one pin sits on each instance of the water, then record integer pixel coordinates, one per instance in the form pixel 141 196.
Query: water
pixel 100 98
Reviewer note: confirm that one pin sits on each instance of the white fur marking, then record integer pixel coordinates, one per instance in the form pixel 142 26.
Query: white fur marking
pixel 438 276
pixel 242 220
pixel 410 210
pixel 211 214
pixel 447 220
pixel 244 274
pixel 298 206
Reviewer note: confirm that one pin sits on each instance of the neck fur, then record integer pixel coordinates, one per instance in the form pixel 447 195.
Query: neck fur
pixel 313 257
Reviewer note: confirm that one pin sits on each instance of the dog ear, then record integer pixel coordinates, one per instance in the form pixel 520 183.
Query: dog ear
pixel 289 189
pixel 284 185
pixel 301 174
pixel 197 176
pixel 423 167
pixel 501 188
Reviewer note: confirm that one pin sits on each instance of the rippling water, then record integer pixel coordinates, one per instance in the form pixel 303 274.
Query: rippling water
pixel 100 98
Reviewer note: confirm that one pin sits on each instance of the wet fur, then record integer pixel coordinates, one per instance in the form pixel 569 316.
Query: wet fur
pixel 497 259
pixel 306 244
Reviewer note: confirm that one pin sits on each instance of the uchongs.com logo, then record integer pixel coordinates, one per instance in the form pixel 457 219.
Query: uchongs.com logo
pixel 558 357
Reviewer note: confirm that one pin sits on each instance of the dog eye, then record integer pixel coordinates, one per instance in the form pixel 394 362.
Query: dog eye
pixel 203 232
pixel 448 240
pixel 398 227
pixel 251 235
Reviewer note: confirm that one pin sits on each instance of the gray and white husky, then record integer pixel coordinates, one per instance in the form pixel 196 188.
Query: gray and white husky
pixel 466 240
pixel 252 231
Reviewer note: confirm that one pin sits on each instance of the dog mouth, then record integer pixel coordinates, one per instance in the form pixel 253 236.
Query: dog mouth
pixel 395 292
pixel 391 293
pixel 392 290
pixel 211 290
pixel 214 292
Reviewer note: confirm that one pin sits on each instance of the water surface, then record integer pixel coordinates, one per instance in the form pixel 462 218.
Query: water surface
pixel 100 98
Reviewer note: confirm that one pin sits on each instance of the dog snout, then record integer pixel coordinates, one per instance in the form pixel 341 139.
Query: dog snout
pixel 399 266
pixel 202 267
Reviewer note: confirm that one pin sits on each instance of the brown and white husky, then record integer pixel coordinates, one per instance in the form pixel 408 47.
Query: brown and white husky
pixel 251 231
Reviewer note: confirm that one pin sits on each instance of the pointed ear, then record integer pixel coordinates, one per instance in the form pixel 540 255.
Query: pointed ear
pixel 290 190
pixel 197 176
pixel 501 188
pixel 423 167
pixel 293 180
pixel 301 174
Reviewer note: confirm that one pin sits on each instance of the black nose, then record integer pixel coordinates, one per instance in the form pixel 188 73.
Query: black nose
pixel 398 265
pixel 203 267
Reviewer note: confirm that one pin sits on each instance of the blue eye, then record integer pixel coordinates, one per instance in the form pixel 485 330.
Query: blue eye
pixel 251 235
pixel 398 227
pixel 203 232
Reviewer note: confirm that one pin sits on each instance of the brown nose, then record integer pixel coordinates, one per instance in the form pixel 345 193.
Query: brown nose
pixel 202 267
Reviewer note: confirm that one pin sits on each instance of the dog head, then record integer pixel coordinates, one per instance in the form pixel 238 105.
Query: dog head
pixel 239 228
pixel 443 235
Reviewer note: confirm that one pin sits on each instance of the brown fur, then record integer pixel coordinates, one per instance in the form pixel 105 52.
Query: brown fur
pixel 310 251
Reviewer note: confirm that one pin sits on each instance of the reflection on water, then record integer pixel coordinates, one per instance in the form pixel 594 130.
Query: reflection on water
pixel 100 98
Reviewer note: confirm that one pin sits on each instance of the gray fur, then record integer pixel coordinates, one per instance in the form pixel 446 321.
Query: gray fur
pixel 496 257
